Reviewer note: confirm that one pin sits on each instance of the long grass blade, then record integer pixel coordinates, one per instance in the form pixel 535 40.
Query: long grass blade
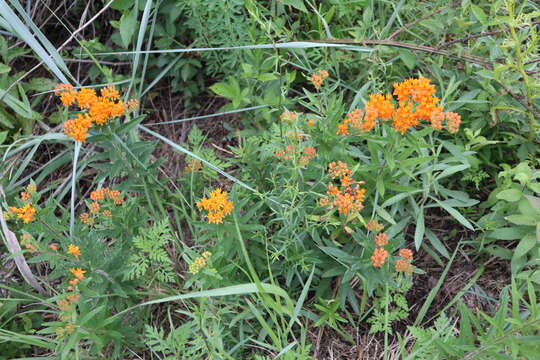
pixel 24 33
pixel 189 153
pixel 287 45
pixel 76 151
pixel 209 116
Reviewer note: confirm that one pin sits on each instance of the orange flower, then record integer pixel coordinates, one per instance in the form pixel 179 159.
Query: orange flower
pixel 453 121
pixel 74 250
pixel 406 254
pixel 287 116
pixel 107 213
pixel 316 80
pixel 86 98
pixel 78 273
pixel 338 170
pixel 67 94
pixel 26 213
pixel 78 128
pixel 217 205
pixel 74 282
pixel 86 219
pixel 110 92
pixel 132 105
pixel 98 195
pixel 73 298
pixel 373 225
pixel 193 165
pixel 403 266
pixel 31 188
pixel 343 129
pixel 30 247
pixel 94 207
pixel 70 288
pixel 378 258
pixel 381 239
pixel 25 196
pixel 53 247
pixel 310 123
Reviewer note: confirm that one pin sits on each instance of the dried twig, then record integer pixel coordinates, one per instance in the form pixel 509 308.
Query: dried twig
pixel 409 25
pixel 479 35
pixel 428 49
pixel 15 250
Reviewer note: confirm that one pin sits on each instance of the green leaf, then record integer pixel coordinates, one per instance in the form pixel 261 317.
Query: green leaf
pixel 420 229
pixel 522 220
pixel 510 195
pixel 508 233
pixel 3 136
pixel 223 89
pixel 534 187
pixel 408 58
pixel 455 214
pixel 4 68
pixel 533 201
pixel 128 25
pixel 298 4
pixel 479 14
pixel 524 246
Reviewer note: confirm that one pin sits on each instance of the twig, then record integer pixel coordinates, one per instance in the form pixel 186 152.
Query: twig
pixel 519 100
pixel 473 59
pixel 479 35
pixel 409 25
pixel 15 250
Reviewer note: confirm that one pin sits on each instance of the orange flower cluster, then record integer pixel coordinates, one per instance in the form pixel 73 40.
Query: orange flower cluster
pixel 217 205
pixel 381 239
pixel 404 264
pixel 373 225
pixel 415 102
pixel 26 213
pixel 379 257
pixel 289 153
pixel 26 241
pixel 348 197
pixel 317 79
pixel 94 207
pixel 288 116
pixel 193 165
pixel 98 109
pixel 380 254
pixel 74 250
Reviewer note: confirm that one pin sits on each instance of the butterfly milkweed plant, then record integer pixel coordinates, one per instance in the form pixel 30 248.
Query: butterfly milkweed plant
pixel 316 211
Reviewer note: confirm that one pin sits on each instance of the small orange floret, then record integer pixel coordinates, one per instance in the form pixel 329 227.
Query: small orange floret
pixel 403 266
pixel 406 254
pixel 94 207
pixel 78 128
pixel 86 98
pixel 110 92
pixel 74 250
pixel 53 247
pixel 26 213
pixel 217 205
pixel 378 258
pixel 381 239
pixel 25 196
pixel 373 225
pixel 78 273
